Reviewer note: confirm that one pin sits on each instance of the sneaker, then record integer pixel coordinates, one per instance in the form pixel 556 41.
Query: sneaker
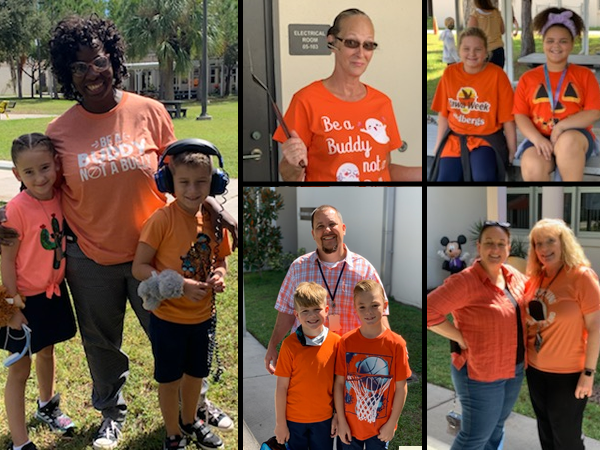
pixel 215 417
pixel 108 435
pixel 30 446
pixel 175 443
pixel 202 434
pixel 52 416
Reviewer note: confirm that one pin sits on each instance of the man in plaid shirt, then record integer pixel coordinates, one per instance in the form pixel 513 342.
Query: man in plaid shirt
pixel 335 268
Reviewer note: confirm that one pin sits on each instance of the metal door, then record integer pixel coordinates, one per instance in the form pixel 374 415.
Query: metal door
pixel 260 152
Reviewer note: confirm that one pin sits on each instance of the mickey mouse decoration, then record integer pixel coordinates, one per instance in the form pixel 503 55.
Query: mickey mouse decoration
pixel 454 260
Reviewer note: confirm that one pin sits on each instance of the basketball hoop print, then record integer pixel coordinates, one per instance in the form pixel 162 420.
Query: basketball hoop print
pixel 367 386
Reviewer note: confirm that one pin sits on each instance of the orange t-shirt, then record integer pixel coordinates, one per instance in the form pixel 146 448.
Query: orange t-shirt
pixel 346 141
pixel 579 92
pixel 108 162
pixel 310 370
pixel 370 366
pixel 572 295
pixel 474 104
pixel 40 225
pixel 184 243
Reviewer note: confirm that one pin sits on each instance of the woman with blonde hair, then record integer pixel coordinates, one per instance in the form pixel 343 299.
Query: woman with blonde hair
pixel 563 339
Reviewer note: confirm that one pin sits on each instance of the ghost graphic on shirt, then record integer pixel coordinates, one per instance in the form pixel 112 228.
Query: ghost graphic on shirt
pixel 348 172
pixel 376 130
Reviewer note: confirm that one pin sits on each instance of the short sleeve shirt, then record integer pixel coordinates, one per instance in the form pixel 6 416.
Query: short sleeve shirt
pixel 346 141
pixel 579 92
pixel 306 268
pixel 474 104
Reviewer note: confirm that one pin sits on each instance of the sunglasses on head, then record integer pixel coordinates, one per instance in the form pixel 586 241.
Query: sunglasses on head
pixel 99 64
pixel 352 43
pixel 492 223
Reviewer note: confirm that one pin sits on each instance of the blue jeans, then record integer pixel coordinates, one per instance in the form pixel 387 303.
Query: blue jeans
pixel 485 408
pixel 372 443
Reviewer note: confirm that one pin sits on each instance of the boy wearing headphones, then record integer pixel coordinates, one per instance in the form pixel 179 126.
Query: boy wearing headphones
pixel 179 240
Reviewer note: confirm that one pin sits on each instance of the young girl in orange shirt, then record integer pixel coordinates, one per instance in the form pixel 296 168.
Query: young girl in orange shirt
pixel 556 104
pixel 477 134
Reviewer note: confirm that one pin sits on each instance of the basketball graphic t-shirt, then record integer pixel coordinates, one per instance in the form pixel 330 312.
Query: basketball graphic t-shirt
pixel 371 368
pixel 346 141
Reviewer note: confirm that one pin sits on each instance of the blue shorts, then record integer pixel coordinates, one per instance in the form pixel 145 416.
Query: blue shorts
pixel 179 349
pixel 316 435
pixel 592 146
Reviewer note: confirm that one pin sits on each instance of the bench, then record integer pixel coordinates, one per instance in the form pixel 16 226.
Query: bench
pixel 173 112
pixel 590 173
pixel 5 105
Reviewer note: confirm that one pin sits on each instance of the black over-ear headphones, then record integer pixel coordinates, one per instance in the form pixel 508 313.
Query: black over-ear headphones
pixel 164 177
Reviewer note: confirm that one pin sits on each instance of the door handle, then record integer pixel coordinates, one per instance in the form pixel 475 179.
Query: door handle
pixel 254 154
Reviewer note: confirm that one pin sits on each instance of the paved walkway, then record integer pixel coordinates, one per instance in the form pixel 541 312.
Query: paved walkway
pixel 521 431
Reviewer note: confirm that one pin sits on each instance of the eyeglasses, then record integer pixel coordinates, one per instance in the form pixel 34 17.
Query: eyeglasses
pixel 351 43
pixel 99 64
pixel 26 348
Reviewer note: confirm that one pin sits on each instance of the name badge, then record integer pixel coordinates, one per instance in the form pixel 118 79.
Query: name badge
pixel 334 323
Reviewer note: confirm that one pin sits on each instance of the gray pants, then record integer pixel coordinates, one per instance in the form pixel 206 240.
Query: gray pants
pixel 100 295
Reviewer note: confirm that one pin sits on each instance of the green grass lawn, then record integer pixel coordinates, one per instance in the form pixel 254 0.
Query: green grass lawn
pixel 260 296
pixel 438 373
pixel 144 427
pixel 435 67
pixel 222 130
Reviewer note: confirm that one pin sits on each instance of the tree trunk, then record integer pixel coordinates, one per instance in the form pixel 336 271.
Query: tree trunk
pixel 527 43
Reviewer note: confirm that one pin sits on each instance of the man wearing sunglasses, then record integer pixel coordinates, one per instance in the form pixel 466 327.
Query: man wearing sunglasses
pixel 342 129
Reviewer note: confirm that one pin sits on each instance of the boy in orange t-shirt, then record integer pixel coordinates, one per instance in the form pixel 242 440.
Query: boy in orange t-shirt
pixel 371 371
pixel 179 240
pixel 303 420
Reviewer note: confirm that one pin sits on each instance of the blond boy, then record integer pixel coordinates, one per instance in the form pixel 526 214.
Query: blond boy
pixel 304 393
pixel 371 372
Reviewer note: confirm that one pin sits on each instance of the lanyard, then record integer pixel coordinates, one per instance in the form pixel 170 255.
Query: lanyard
pixel 551 281
pixel 336 285
pixel 551 95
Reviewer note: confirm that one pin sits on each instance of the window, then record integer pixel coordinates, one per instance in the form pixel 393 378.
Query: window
pixel 589 213
pixel 517 206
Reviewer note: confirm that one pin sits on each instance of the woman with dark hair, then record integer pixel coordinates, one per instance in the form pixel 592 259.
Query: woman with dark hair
pixel 343 129
pixel 108 145
pixel 487 303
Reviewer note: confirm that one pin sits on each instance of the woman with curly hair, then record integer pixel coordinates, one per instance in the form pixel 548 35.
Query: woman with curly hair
pixel 556 104
pixel 563 318
pixel 108 145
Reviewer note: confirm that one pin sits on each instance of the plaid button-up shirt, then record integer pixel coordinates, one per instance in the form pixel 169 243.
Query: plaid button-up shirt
pixel 305 268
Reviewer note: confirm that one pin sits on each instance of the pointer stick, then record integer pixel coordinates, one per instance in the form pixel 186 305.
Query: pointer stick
pixel 275 107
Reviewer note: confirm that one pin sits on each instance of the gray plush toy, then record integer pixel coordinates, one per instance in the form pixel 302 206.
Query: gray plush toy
pixel 168 284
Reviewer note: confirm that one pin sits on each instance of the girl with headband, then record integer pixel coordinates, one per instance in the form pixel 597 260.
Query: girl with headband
pixel 556 104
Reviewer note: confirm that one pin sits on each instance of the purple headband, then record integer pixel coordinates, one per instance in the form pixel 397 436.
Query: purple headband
pixel 564 18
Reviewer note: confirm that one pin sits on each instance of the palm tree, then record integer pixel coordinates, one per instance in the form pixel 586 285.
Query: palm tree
pixel 165 27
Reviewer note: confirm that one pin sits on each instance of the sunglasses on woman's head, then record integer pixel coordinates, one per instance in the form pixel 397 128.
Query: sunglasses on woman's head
pixel 491 223
pixel 99 64
pixel 351 43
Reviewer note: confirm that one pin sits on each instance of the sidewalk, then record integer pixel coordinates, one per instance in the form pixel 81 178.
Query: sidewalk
pixel 259 393
pixel 521 431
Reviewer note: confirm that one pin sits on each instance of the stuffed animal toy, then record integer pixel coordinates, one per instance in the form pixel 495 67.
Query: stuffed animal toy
pixel 454 259
pixel 169 284
pixel 8 306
